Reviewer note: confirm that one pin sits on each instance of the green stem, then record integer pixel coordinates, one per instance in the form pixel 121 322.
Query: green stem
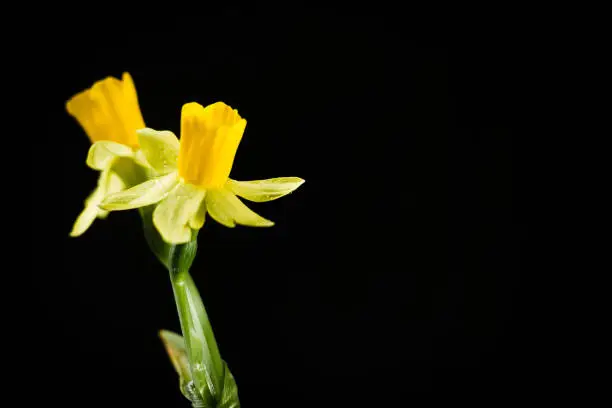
pixel 207 369
pixel 209 374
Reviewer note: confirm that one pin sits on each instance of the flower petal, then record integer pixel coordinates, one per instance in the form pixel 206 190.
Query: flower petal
pixel 160 148
pixel 102 153
pixel 141 195
pixel 132 115
pixel 108 182
pixel 114 183
pixel 209 139
pixel 197 221
pixel 264 190
pixel 227 209
pixel 172 217
pixel 86 218
pixel 109 111
pixel 141 159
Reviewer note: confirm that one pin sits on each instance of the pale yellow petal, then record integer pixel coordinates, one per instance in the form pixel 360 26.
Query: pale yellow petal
pixel 147 193
pixel 198 219
pixel 84 221
pixel 114 183
pixel 102 214
pixel 141 160
pixel 108 182
pixel 101 154
pixel 160 149
pixel 264 190
pixel 172 216
pixel 227 209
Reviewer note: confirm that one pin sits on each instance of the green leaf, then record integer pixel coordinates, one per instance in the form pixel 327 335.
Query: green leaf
pixel 175 346
pixel 229 398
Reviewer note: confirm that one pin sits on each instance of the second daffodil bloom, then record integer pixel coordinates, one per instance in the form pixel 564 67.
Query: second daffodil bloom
pixel 110 115
pixel 194 175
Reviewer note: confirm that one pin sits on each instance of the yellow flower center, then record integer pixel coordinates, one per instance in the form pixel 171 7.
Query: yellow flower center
pixel 209 139
pixel 109 110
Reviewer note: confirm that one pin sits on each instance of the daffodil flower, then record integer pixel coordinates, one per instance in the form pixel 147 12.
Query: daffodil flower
pixel 193 175
pixel 110 115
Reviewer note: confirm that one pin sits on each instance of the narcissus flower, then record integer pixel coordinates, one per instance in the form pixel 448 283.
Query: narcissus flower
pixel 193 175
pixel 110 115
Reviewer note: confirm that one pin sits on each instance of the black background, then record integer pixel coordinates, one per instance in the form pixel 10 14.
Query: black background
pixel 393 273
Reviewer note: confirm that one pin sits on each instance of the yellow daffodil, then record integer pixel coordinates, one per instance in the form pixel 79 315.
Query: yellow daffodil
pixel 193 175
pixel 110 115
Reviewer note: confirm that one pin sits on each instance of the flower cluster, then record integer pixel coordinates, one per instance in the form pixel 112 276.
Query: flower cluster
pixel 184 179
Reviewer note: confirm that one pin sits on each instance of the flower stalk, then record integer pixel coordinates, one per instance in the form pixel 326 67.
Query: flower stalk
pixel 210 383
pixel 202 350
